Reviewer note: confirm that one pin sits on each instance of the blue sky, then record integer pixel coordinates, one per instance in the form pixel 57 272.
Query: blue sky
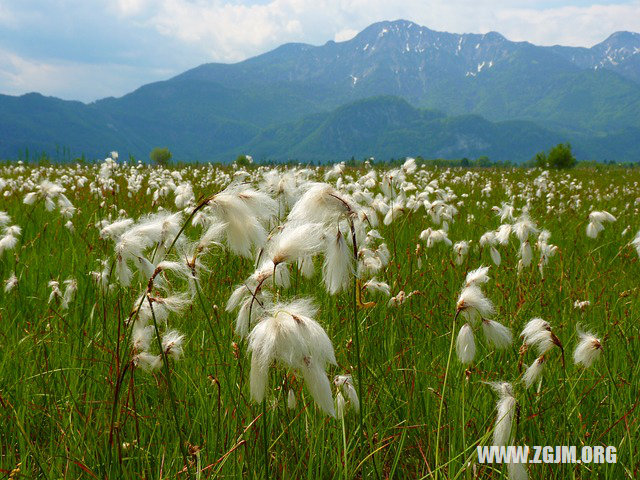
pixel 90 49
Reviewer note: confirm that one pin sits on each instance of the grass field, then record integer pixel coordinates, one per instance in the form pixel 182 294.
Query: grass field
pixel 78 399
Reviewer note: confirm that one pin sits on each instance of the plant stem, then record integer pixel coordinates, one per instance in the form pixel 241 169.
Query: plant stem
pixel 174 409
pixel 265 438
pixel 442 394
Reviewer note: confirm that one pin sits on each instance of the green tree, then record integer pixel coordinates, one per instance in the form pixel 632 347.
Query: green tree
pixel 559 157
pixel 483 161
pixel 244 160
pixel 540 160
pixel 160 156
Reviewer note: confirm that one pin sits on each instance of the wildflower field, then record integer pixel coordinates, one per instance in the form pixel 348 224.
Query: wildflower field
pixel 337 322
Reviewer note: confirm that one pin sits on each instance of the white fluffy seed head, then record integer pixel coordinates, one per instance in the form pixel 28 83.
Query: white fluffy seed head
pixel 477 276
pixel 345 383
pixel 495 256
pixel 321 203
pixel 517 471
pixel 525 253
pixel 147 361
pixel 10 283
pixel 289 335
pixel 506 407
pixel 503 233
pixel 534 326
pixel 472 303
pixel 295 242
pixel 533 372
pixel 172 344
pixel 497 334
pixel 588 349
pixel 374 285
pixel 593 229
pixel 338 264
pixel 601 216
pixel 465 344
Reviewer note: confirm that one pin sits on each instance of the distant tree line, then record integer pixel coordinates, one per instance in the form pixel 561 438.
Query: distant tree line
pixel 558 157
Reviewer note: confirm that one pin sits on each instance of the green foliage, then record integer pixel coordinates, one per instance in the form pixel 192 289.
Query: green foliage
pixel 244 160
pixel 61 369
pixel 559 157
pixel 160 156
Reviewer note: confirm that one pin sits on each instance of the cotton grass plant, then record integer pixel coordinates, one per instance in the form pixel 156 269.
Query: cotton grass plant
pixel 175 282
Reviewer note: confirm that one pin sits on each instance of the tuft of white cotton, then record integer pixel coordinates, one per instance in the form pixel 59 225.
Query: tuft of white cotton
pixel 526 254
pixel 435 236
pixel 345 383
pixel 296 242
pixel 147 361
pixel 496 333
pixel 465 344
pixel 374 285
pixel 172 344
pixel 141 337
pixel 581 305
pixel 10 283
pixel 461 249
pixel 588 349
pixel 473 304
pixel 117 228
pixel 477 276
pixel 596 220
pixel 506 407
pixel 533 372
pixel 517 471
pixel 503 233
pixel 71 286
pixel 243 230
pixel 505 212
pixel 398 299
pixel 495 256
pixel 321 203
pixel 593 229
pixel 8 242
pixel 524 227
pixel 338 264
pixel 601 217
pixel 306 266
pixel 54 285
pixel 288 334
pixel 184 195
pixel 533 327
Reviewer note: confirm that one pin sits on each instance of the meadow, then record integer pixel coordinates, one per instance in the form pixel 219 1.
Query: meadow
pixel 297 322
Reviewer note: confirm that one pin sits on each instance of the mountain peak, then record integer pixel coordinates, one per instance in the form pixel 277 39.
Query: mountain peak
pixel 621 39
pixel 390 27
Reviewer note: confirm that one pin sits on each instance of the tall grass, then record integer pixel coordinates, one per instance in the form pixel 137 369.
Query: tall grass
pixel 59 370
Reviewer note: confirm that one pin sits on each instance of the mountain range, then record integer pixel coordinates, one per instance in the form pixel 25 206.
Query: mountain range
pixel 395 89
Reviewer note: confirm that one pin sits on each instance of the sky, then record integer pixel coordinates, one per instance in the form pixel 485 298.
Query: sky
pixel 90 49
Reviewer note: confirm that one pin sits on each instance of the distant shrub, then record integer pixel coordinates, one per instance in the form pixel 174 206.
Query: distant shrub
pixel 244 160
pixel 160 156
pixel 559 157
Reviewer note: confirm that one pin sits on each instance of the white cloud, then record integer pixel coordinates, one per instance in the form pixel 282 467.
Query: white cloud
pixel 344 35
pixel 231 31
pixel 573 26
pixel 69 80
